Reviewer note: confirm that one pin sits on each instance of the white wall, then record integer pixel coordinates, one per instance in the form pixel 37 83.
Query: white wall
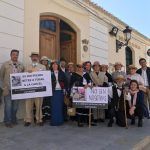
pixel 98 41
pixel 11 27
pixel 11 33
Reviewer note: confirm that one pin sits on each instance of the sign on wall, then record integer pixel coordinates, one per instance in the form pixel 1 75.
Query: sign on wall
pixel 30 85
pixel 90 97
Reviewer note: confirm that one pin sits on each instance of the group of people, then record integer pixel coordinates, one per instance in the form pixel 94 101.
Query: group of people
pixel 129 94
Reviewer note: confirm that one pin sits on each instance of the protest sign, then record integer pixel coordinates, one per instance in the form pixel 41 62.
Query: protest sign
pixel 30 85
pixel 96 97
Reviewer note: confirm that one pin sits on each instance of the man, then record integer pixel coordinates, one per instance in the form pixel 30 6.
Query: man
pixel 144 71
pixel 11 106
pixel 116 105
pixel 63 65
pixel 29 104
pixel 118 66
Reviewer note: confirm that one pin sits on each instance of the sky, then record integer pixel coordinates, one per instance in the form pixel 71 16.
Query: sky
pixel 135 13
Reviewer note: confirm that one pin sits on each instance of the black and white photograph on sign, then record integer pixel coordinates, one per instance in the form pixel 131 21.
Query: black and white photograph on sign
pixel 78 94
pixel 16 81
pixel 30 85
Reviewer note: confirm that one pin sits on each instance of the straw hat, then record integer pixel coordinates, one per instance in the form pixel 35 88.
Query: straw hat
pixel 120 77
pixel 96 63
pixel 118 63
pixel 34 53
pixel 44 58
pixel 70 63
pixel 132 67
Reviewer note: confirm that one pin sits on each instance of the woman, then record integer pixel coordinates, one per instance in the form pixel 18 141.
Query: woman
pixel 104 68
pixel 77 80
pixel 46 100
pixel 59 85
pixel 134 76
pixel 135 99
pixel 99 79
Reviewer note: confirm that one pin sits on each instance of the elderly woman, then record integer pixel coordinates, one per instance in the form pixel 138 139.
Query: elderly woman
pixel 134 76
pixel 104 68
pixel 77 80
pixel 46 100
pixel 59 85
pixel 99 79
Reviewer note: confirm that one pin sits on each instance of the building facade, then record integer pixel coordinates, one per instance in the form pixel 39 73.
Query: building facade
pixel 77 30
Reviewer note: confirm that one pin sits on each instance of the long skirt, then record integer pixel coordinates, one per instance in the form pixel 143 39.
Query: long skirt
pixel 57 106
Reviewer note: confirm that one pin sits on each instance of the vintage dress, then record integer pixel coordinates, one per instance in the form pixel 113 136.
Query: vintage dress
pixel 59 84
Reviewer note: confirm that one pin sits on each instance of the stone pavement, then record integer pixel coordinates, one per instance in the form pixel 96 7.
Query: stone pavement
pixel 71 137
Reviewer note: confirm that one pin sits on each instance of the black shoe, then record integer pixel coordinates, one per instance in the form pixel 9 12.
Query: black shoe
pixel 132 121
pixel 101 120
pixel 27 124
pixel 140 123
pixel 8 125
pixel 110 124
pixel 80 125
pixel 93 124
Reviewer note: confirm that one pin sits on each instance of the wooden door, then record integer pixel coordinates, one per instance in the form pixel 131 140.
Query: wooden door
pixel 49 37
pixel 68 46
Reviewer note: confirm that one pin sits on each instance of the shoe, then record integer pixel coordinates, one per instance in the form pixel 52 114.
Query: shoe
pixel 27 124
pixel 40 124
pixel 140 123
pixel 8 125
pixel 93 124
pixel 101 120
pixel 110 124
pixel 132 121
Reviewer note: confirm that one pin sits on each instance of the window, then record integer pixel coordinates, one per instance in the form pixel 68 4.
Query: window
pixel 48 25
pixel 129 57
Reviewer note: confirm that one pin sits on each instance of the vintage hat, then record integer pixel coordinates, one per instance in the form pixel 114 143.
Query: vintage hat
pixel 96 63
pixel 120 77
pixel 79 64
pixel 103 65
pixel 70 63
pixel 34 53
pixel 132 67
pixel 118 63
pixel 44 58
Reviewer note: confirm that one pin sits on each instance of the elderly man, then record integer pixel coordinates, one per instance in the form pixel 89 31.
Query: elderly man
pixel 34 67
pixel 11 107
pixel 118 66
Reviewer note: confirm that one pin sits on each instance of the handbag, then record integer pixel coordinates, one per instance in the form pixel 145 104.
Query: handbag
pixel 71 111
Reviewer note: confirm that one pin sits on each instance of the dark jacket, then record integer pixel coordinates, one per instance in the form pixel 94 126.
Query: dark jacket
pixel 61 79
pixel 139 71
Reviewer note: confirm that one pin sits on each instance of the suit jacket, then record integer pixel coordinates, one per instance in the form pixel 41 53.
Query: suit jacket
pixel 5 71
pixel 38 67
pixel 139 71
pixel 61 79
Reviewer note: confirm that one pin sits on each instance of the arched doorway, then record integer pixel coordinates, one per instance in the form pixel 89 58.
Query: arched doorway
pixel 129 57
pixel 57 39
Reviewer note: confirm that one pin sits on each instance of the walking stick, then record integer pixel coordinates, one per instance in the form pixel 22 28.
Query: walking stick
pixel 125 111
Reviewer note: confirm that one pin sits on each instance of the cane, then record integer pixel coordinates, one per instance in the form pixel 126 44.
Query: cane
pixel 125 111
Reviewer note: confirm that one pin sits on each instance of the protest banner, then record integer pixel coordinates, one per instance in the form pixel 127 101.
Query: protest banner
pixel 30 85
pixel 96 97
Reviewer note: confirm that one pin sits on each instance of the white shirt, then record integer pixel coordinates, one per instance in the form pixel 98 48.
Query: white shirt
pixel 57 82
pixel 110 92
pixel 144 75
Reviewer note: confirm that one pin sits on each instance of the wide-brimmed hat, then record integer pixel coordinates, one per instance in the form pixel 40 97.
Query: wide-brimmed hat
pixel 103 65
pixel 80 64
pixel 96 63
pixel 118 63
pixel 44 58
pixel 70 63
pixel 132 67
pixel 120 77
pixel 34 53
